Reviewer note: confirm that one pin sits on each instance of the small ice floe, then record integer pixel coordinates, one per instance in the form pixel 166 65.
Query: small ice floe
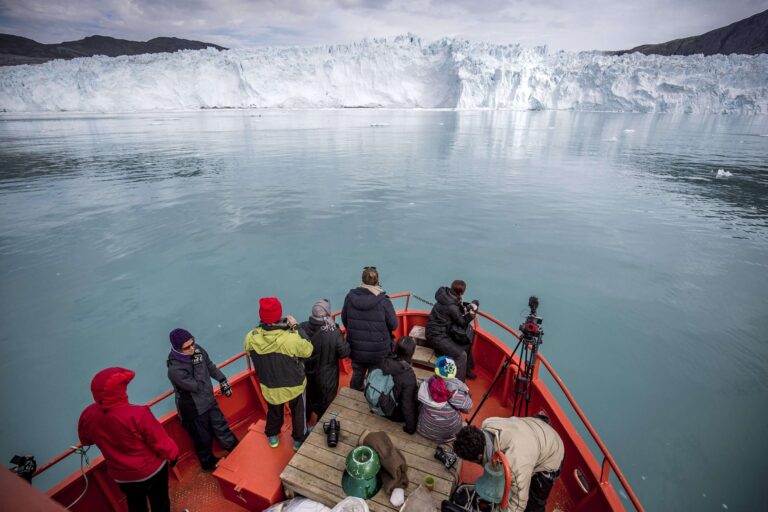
pixel 612 139
pixel 378 125
pixel 441 124
pixel 703 495
pixel 764 134
pixel 725 506
pixel 411 204
pixel 219 326
pixel 721 173
pixel 644 477
pixel 629 130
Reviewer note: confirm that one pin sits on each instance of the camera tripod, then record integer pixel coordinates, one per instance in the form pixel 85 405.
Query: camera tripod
pixel 528 347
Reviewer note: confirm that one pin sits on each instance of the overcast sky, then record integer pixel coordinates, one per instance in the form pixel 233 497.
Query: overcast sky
pixel 560 24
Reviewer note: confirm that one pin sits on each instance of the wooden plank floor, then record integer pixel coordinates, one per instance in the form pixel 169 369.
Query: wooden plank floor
pixel 316 470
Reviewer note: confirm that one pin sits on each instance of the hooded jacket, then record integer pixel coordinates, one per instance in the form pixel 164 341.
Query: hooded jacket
pixel 405 391
pixel 530 446
pixel 323 367
pixel 278 355
pixel 192 383
pixel 440 421
pixel 369 320
pixel 133 442
pixel 445 314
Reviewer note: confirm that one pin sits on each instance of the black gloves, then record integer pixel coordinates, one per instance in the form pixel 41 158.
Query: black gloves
pixel 225 389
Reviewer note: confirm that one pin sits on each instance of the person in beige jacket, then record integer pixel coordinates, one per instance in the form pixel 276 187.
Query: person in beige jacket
pixel 533 449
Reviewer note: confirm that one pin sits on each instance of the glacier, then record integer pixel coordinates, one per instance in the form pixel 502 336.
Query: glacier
pixel 404 72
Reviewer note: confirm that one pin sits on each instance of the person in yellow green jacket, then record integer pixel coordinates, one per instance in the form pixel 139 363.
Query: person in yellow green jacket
pixel 278 352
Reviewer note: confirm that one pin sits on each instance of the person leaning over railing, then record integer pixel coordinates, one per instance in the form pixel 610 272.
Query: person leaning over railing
pixel 449 327
pixel 134 444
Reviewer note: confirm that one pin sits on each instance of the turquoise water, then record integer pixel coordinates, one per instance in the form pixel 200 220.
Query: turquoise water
pixel 115 229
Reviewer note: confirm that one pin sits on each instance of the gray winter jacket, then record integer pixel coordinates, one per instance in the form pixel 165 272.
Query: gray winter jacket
pixel 192 383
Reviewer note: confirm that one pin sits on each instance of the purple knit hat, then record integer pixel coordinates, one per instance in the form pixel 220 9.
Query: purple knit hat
pixel 178 338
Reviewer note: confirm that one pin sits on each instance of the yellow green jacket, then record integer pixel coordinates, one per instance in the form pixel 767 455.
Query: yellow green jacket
pixel 278 355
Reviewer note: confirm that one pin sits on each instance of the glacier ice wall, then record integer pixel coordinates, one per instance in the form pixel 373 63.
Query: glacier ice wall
pixel 401 73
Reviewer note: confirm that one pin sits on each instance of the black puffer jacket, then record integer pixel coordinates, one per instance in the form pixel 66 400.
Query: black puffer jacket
pixel 323 367
pixel 446 313
pixel 406 390
pixel 370 320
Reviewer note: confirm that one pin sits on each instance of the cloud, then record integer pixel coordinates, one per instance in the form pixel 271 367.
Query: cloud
pixel 560 24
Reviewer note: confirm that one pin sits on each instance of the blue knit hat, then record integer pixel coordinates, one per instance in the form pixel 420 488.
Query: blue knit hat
pixel 445 367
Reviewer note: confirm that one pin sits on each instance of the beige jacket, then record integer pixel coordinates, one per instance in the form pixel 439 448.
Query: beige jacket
pixel 530 446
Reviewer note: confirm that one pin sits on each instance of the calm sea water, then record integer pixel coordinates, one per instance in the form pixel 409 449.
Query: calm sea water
pixel 652 271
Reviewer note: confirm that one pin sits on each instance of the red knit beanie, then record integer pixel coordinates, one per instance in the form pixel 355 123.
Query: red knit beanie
pixel 270 310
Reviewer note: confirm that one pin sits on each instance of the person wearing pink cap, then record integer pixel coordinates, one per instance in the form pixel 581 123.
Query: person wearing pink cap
pixel 134 444
pixel 278 352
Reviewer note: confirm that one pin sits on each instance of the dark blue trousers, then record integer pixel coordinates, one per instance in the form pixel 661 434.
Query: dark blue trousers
pixel 203 429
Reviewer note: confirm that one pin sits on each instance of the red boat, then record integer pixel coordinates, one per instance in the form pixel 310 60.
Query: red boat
pixel 250 479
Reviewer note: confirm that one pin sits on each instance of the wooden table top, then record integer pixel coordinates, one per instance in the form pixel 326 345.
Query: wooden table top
pixel 315 471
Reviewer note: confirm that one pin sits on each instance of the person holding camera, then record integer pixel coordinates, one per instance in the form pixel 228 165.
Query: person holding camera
pixel 190 371
pixel 443 398
pixel 370 318
pixel 135 446
pixel 449 327
pixel 322 368
pixel 534 453
pixel 278 351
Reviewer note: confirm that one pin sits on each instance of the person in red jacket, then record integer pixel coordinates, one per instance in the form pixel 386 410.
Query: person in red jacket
pixel 134 444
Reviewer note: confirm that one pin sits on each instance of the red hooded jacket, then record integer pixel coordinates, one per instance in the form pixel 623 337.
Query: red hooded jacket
pixel 133 442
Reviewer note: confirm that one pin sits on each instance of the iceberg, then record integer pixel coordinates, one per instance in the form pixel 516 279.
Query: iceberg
pixel 404 72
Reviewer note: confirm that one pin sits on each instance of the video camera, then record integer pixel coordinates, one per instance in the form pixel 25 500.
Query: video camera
pixel 531 328
pixel 332 428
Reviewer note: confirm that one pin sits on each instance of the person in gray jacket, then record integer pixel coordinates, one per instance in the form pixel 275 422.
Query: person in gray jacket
pixel 190 371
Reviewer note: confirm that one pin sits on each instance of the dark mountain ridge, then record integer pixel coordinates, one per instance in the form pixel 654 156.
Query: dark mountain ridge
pixel 748 36
pixel 20 50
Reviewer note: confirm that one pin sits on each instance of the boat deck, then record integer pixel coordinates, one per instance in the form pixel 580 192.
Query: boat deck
pixel 316 469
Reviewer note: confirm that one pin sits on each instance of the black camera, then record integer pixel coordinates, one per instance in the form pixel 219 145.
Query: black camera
pixel 470 306
pixel 331 429
pixel 446 456
pixel 25 466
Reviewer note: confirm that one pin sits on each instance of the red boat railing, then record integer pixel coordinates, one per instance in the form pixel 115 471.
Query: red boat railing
pixel 608 461
pixel 607 464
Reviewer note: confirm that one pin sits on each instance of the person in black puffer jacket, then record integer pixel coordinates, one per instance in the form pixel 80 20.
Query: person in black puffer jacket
pixel 370 318
pixel 405 391
pixel 323 367
pixel 449 329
